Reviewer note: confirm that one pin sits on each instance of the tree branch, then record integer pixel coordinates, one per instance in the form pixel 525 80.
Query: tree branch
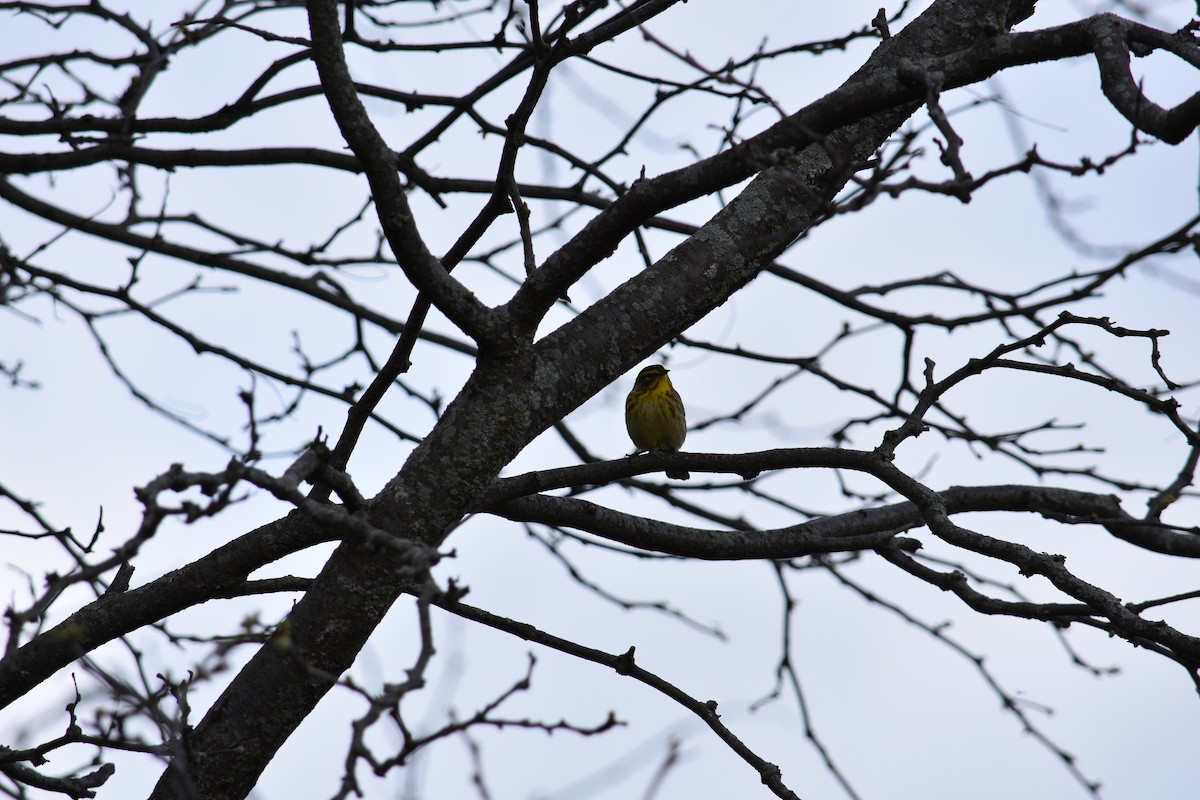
pixel 380 162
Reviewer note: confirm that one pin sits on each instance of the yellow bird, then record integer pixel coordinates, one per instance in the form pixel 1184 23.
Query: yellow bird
pixel 654 415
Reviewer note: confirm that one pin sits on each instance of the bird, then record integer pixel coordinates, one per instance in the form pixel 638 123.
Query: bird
pixel 654 415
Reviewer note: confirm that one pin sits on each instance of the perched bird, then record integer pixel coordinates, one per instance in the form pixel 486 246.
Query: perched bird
pixel 654 415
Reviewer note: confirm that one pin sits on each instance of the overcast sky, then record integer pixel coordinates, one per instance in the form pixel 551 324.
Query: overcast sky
pixel 902 713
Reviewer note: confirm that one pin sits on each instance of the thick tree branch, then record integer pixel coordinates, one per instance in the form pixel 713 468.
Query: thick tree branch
pixel 872 90
pixel 856 530
pixel 380 164
pixel 115 614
